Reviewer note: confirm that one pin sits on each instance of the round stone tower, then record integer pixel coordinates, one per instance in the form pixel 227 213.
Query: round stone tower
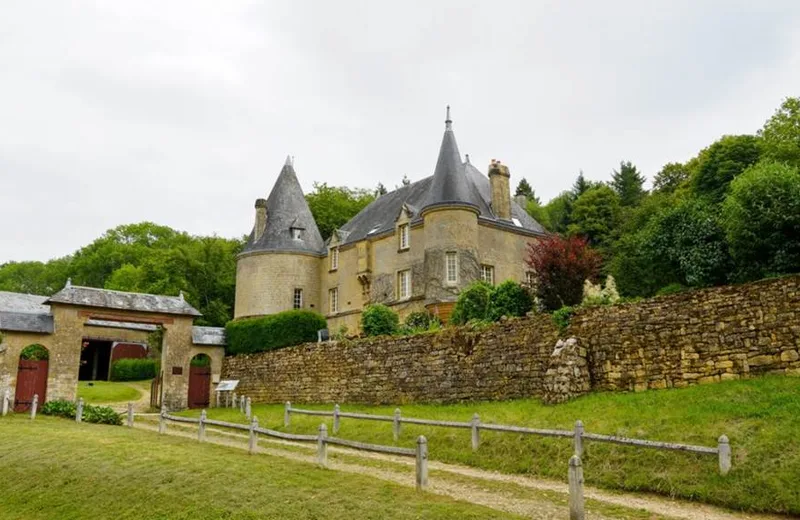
pixel 278 268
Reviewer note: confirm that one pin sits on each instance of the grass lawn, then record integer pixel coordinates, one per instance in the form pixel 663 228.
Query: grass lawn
pixel 108 391
pixel 54 468
pixel 760 416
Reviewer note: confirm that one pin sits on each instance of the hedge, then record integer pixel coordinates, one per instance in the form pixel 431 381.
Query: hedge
pixel 284 329
pixel 91 414
pixel 378 319
pixel 134 369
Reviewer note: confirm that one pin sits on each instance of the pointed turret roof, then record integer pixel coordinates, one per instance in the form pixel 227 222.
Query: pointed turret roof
pixel 449 185
pixel 286 209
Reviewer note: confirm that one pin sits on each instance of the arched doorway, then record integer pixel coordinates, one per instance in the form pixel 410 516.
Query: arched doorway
pixel 31 377
pixel 199 381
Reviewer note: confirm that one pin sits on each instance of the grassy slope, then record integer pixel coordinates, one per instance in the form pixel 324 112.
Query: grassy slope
pixel 107 392
pixel 760 416
pixel 53 468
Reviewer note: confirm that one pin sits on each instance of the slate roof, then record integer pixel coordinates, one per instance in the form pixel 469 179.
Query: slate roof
pixel 146 327
pixel 208 335
pixel 453 182
pixel 106 299
pixel 25 313
pixel 287 208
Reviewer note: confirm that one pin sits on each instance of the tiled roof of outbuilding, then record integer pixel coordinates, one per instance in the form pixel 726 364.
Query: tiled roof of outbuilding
pixel 25 313
pixel 104 298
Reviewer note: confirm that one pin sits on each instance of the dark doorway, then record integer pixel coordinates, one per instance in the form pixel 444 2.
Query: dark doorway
pixel 95 359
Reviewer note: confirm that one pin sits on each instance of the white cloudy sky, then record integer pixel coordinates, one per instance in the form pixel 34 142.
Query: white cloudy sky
pixel 182 112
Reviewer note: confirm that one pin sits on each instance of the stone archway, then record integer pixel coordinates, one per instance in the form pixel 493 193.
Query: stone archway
pixel 31 376
pixel 200 381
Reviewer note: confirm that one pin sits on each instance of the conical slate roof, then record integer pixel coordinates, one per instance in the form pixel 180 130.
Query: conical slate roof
pixel 286 209
pixel 450 184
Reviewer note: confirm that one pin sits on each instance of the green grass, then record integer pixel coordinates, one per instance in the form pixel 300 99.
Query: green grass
pixel 107 392
pixel 53 468
pixel 760 416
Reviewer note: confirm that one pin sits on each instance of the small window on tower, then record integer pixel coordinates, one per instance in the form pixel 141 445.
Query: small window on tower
pixel 487 274
pixel 404 284
pixel 296 233
pixel 451 267
pixel 298 299
pixel 334 258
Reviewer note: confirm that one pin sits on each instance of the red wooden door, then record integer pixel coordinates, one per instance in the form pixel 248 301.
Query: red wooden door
pixel 199 387
pixel 31 379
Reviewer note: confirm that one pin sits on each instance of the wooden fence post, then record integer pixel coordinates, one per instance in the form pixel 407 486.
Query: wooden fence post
pixel 162 419
pixel 201 427
pixel 34 406
pixel 130 415
pixel 396 424
pixel 248 410
pixel 476 434
pixel 576 509
pixel 6 398
pixel 422 463
pixel 79 411
pixel 216 399
pixel 233 403
pixel 242 401
pixel 336 419
pixel 227 399
pixel 578 439
pixel 253 436
pixel 322 446
pixel 724 448
pixel 287 410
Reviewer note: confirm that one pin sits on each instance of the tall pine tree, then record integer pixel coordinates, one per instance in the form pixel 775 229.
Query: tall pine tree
pixel 524 188
pixel 628 183
pixel 581 185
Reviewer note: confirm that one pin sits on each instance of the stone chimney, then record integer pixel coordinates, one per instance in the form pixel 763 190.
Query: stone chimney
pixel 499 179
pixel 261 218
pixel 521 200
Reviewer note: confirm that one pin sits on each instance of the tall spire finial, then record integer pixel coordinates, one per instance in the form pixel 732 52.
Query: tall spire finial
pixel 448 123
pixel 289 161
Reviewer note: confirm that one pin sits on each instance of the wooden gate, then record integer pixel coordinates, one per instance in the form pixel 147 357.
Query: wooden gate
pixel 31 379
pixel 199 387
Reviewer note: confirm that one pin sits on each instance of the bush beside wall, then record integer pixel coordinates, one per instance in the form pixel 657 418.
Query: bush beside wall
pixel 279 330
pixel 134 369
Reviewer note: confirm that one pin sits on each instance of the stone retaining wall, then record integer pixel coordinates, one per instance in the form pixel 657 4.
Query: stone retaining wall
pixel 696 337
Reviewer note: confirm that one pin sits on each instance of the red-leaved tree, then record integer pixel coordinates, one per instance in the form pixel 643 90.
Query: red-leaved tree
pixel 561 265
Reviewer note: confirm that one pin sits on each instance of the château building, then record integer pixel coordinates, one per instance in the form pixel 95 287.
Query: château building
pixel 412 249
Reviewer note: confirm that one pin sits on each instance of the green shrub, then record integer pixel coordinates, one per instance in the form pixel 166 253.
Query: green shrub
pixel 134 369
pixel 419 320
pixel 59 408
pixel 101 415
pixel 562 316
pixel 200 360
pixel 509 299
pixel 35 352
pixel 472 304
pixel 283 329
pixel 672 288
pixel 378 319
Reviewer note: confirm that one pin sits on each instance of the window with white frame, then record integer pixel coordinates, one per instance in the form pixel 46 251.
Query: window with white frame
pixel 451 267
pixel 297 301
pixel 404 236
pixel 404 284
pixel 333 300
pixel 334 258
pixel 487 274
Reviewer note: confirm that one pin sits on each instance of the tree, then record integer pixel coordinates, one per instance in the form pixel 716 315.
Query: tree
pixel 581 185
pixel 670 177
pixel 596 215
pixel 781 133
pixel 524 188
pixel 538 212
pixel 559 211
pixel 333 206
pixel 762 220
pixel 721 162
pixel 34 277
pixel 628 183
pixel 561 266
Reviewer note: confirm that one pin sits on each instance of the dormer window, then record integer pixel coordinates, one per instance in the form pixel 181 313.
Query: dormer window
pixel 296 233
pixel 404 233
pixel 334 258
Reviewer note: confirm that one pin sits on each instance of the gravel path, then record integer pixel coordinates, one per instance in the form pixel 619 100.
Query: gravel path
pixel 479 486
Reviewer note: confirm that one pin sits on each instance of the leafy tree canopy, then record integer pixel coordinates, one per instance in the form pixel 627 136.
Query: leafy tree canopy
pixel 721 162
pixel 781 133
pixel 670 177
pixel 595 215
pixel 333 206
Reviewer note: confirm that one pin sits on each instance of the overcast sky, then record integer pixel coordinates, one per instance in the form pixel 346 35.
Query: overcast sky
pixel 182 113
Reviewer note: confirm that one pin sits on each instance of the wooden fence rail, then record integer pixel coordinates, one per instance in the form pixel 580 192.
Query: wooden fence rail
pixel 322 440
pixel 722 450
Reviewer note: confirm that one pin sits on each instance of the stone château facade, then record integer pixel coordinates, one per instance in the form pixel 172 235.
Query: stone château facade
pixel 414 248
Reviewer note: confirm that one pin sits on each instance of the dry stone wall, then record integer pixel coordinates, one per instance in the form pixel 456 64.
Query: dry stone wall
pixel 696 337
